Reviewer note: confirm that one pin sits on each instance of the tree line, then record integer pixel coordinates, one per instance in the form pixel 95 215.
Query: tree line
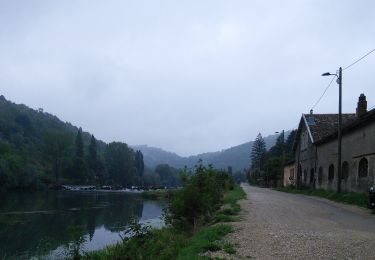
pixel 38 150
pixel 267 167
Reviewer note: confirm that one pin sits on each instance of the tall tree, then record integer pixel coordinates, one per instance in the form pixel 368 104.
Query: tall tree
pixel 92 160
pixel 258 153
pixel 79 168
pixel 277 148
pixel 79 144
pixel 289 141
pixel 119 161
pixel 56 145
pixel 139 164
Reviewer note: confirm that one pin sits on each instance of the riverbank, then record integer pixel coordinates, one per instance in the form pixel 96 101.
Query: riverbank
pixel 171 243
pixel 159 194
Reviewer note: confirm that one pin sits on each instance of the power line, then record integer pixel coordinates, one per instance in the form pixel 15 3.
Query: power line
pixel 355 62
pixel 320 98
pixel 347 67
pixel 371 107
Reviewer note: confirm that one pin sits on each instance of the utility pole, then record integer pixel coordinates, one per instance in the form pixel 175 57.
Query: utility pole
pixel 339 137
pixel 283 159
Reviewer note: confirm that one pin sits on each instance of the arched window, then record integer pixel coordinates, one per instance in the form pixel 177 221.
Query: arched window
pixel 331 172
pixel 312 176
pixel 320 175
pixel 305 176
pixel 345 171
pixel 363 168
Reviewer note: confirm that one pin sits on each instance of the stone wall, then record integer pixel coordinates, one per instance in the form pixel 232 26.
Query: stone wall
pixel 356 145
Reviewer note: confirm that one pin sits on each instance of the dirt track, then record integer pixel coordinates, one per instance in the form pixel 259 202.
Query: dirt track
pixel 277 225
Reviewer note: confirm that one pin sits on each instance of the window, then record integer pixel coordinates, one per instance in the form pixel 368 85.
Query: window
pixel 331 172
pixel 312 176
pixel 345 171
pixel 320 175
pixel 305 176
pixel 363 168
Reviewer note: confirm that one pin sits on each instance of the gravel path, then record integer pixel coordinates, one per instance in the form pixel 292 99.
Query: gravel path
pixel 277 225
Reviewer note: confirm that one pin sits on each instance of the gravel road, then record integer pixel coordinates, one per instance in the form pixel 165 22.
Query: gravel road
pixel 277 225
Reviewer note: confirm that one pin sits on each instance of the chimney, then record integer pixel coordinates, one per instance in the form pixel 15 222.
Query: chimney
pixel 311 111
pixel 361 105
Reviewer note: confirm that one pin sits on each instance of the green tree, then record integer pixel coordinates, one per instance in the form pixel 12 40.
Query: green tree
pixel 79 168
pixel 168 175
pixel 119 159
pixel 258 153
pixel 202 192
pixel 139 164
pixel 93 161
pixel 56 147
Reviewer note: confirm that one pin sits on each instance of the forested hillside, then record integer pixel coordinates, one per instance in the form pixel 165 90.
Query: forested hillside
pixel 238 157
pixel 38 150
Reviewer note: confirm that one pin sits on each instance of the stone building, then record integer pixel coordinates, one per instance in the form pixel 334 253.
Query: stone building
pixel 315 150
pixel 289 173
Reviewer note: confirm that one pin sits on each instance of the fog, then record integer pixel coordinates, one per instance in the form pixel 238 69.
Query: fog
pixel 186 76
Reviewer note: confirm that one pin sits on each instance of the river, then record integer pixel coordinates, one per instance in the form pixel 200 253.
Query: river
pixel 38 223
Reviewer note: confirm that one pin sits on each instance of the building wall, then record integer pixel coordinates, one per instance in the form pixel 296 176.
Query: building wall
pixel 305 159
pixel 355 146
pixel 289 175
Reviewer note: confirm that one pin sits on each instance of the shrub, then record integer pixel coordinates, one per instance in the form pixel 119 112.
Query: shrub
pixel 201 195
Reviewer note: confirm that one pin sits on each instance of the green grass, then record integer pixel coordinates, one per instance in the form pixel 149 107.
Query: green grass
pixel 234 195
pixel 168 243
pixel 204 240
pixel 229 248
pixel 165 244
pixel 353 198
pixel 230 199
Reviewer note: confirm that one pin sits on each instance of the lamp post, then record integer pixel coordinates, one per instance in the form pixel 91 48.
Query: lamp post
pixel 339 137
pixel 283 155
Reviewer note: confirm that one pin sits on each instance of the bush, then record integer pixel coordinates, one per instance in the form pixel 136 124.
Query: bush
pixel 201 195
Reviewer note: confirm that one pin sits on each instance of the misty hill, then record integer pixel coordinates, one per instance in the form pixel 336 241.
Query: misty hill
pixel 238 156
pixel 38 150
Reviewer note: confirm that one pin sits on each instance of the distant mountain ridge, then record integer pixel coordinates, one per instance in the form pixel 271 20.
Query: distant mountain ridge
pixel 238 157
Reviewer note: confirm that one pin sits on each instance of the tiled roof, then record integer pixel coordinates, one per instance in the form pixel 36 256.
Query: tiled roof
pixel 323 125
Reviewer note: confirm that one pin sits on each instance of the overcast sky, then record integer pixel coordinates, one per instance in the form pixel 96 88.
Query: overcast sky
pixel 186 76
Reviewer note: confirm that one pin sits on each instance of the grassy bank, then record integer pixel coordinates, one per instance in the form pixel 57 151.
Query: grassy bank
pixel 231 208
pixel 353 198
pixel 172 243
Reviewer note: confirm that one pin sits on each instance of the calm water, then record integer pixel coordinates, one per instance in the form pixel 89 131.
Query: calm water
pixel 37 223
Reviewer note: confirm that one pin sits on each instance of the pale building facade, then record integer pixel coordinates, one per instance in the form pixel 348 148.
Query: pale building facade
pixel 316 150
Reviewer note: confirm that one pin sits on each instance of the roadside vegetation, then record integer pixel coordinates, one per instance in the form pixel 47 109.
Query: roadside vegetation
pixel 192 229
pixel 266 166
pixel 353 198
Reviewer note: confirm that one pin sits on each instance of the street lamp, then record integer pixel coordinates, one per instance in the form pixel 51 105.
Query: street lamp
pixel 283 155
pixel 339 137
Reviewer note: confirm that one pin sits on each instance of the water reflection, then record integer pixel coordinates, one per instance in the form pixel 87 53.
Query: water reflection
pixel 37 223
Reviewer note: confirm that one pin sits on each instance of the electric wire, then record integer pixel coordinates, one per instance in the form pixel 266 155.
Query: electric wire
pixel 355 62
pixel 347 67
pixel 324 92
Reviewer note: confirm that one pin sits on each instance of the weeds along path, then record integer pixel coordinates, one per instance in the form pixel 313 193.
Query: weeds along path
pixel 277 225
